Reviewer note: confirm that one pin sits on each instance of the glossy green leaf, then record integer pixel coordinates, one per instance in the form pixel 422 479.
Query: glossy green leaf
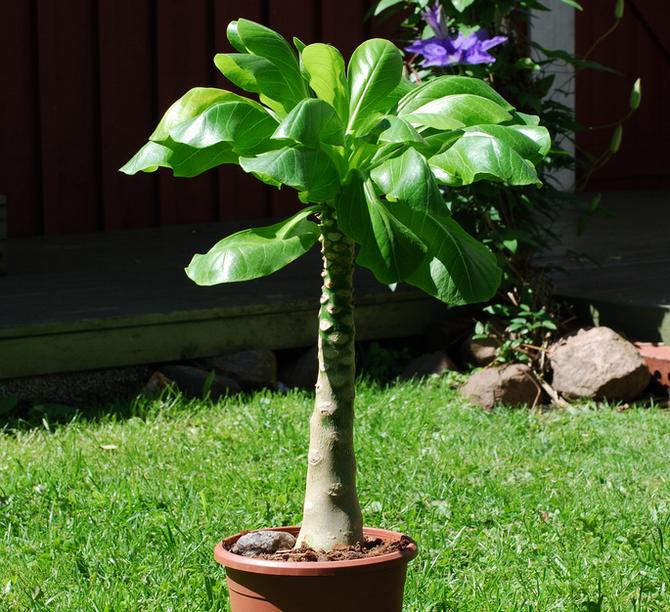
pixel 530 142
pixel 456 111
pixel 387 248
pixel 477 157
pixel 190 105
pixel 256 252
pixel 311 123
pixel 399 131
pixel 246 126
pixel 458 269
pixel 327 77
pixel 449 85
pixel 257 75
pixel 234 37
pixel 409 178
pixel 310 171
pixel 374 71
pixel 264 42
pixel 183 160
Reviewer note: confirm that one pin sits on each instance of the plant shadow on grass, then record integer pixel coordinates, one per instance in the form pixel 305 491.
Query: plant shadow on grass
pixel 17 416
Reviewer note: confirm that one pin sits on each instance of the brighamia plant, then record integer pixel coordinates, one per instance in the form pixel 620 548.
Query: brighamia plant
pixel 368 152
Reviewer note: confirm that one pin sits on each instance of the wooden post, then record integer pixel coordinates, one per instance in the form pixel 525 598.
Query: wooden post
pixel 3 235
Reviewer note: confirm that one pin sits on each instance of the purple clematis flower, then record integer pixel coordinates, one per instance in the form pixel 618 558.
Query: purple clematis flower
pixel 444 50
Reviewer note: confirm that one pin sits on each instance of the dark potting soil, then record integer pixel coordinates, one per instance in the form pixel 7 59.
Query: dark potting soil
pixel 370 548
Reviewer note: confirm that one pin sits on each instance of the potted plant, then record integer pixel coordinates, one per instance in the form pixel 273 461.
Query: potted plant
pixel 369 152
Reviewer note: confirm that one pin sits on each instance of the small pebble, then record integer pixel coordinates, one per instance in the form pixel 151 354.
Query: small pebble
pixel 262 542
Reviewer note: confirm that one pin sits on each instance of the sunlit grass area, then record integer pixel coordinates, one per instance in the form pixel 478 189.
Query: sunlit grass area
pixel 512 510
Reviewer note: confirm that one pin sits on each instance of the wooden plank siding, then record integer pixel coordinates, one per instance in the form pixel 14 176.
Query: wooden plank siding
pixel 87 80
pixel 20 158
pixel 639 47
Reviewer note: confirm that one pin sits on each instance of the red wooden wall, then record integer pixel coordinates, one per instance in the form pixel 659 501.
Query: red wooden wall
pixel 639 47
pixel 83 84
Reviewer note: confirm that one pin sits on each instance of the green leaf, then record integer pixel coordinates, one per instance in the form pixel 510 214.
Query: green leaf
pixel 257 75
pixel 190 105
pixel 449 85
pixel 409 178
pixel 266 43
pixel 246 126
pixel 310 171
pixel 458 268
pixel 327 78
pixel 461 5
pixel 311 122
pixel 255 252
pixel 399 131
pixel 374 71
pixel 456 111
pixel 234 37
pixel 387 248
pixel 531 142
pixel 482 157
pixel 384 4
pixel 182 159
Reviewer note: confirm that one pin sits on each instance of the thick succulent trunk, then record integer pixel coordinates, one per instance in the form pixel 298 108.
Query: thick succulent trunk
pixel 332 515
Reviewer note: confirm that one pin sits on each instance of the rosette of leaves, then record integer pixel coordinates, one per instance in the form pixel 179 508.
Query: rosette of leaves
pixel 368 153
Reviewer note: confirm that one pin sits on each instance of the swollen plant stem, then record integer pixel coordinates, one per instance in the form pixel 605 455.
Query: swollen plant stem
pixel 332 515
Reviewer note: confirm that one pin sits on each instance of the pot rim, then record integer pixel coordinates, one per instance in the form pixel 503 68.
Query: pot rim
pixel 306 568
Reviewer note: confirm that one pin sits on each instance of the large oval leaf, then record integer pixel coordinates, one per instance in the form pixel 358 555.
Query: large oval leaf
pixel 449 85
pixel 476 157
pixel 311 123
pixel 264 42
pixel 256 252
pixel 388 249
pixel 182 159
pixel 409 178
pixel 325 66
pixel 530 142
pixel 458 268
pixel 246 126
pixel 457 111
pixel 310 171
pixel 256 75
pixel 190 105
pixel 374 71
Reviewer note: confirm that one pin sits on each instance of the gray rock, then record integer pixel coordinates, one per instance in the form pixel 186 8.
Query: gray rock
pixel 436 362
pixel 191 381
pixel 302 371
pixel 479 352
pixel 598 364
pixel 263 542
pixel 254 369
pixel 509 385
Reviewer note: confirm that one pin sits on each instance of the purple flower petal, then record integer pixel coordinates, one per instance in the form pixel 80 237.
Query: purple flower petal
pixel 436 19
pixel 492 42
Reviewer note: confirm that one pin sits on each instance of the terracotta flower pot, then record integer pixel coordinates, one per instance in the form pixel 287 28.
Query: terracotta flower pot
pixel 373 584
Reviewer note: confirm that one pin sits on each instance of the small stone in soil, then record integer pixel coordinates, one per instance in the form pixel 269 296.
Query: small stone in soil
pixel 370 548
pixel 257 543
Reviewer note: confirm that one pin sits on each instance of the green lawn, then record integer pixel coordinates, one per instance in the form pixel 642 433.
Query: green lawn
pixel 512 510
